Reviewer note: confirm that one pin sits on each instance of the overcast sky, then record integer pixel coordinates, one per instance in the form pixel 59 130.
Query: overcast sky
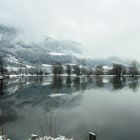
pixel 104 27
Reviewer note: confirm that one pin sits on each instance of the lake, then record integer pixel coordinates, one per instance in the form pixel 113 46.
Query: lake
pixel 71 106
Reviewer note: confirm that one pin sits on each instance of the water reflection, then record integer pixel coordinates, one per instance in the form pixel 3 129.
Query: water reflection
pixel 117 82
pixel 57 82
pixel 99 81
pixel 134 83
pixel 68 82
pixel 1 87
pixel 45 102
pixel 83 83
pixel 7 113
pixel 76 83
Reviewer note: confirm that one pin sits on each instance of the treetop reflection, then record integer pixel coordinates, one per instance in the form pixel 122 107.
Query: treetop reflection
pixel 68 84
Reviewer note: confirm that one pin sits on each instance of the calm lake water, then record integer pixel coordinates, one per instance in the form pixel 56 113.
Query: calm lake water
pixel 71 106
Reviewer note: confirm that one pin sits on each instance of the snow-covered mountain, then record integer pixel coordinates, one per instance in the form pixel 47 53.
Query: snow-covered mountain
pixel 47 51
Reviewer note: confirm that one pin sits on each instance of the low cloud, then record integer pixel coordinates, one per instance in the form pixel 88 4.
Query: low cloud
pixel 104 27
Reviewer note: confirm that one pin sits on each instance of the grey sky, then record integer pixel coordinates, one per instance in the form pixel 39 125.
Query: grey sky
pixel 104 27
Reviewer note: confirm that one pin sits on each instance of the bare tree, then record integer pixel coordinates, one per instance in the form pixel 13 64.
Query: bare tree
pixel 99 70
pixel 76 69
pixel 20 66
pixel 133 68
pixel 2 66
pixel 68 70
pixel 117 69
pixel 58 69
pixel 84 71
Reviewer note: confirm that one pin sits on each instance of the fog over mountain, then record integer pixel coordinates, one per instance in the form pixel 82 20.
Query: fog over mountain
pixel 69 68
pixel 47 51
pixel 104 28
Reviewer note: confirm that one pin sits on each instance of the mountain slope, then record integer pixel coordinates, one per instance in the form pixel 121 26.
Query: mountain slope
pixel 47 51
pixel 42 52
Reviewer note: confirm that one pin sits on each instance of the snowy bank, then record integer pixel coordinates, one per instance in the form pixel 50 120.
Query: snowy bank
pixel 36 137
pixel 3 137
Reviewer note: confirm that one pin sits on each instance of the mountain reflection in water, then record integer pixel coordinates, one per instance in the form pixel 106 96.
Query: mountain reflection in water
pixel 70 106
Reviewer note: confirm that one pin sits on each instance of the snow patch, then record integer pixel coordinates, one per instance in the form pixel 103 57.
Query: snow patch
pixel 92 133
pixel 106 67
pixel 57 95
pixel 12 68
pixel 46 65
pixel 12 59
pixel 1 77
pixel 2 137
pixel 29 67
pixel 13 76
pixel 35 137
pixel 46 83
pixel 105 81
pixel 56 53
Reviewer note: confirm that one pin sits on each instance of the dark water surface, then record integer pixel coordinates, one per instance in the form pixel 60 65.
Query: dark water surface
pixel 71 106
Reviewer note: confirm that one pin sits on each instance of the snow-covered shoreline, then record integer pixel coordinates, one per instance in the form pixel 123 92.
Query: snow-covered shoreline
pixel 36 137
pixel 3 137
